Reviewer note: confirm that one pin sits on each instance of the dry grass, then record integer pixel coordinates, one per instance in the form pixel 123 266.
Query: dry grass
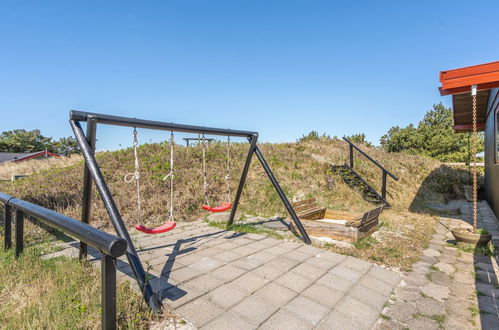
pixel 60 293
pixel 301 168
pixel 397 243
pixel 28 167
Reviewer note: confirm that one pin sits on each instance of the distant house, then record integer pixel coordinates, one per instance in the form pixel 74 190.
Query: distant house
pixel 458 83
pixel 6 157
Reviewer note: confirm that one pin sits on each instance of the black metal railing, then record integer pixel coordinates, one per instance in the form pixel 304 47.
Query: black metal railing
pixel 385 172
pixel 110 246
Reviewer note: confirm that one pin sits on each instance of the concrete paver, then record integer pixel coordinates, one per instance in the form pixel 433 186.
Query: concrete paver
pixel 449 288
pixel 216 279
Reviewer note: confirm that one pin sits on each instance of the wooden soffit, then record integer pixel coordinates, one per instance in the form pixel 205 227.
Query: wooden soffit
pixel 458 83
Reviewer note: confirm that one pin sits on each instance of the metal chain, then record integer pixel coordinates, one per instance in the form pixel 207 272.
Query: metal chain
pixel 135 176
pixel 205 183
pixel 171 175
pixel 227 176
pixel 474 151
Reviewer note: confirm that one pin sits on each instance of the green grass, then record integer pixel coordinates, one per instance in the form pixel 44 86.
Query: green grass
pixel 365 242
pixel 60 292
pixel 488 250
pixel 246 228
pixel 434 268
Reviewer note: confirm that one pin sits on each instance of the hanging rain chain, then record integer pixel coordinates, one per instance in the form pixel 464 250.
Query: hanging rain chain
pixel 473 152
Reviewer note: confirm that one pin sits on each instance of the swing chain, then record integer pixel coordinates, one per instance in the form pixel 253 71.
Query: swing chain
pixel 227 176
pixel 205 176
pixel 171 175
pixel 135 176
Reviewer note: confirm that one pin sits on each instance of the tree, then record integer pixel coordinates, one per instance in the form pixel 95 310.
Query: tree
pixel 21 140
pixel 433 137
pixel 313 136
pixel 66 146
pixel 359 139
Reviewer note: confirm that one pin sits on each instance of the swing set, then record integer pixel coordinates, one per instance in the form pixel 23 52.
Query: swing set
pixel 92 173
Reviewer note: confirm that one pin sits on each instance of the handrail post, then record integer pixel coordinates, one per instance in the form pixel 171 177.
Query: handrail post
pixel 7 242
pixel 383 185
pixel 351 155
pixel 108 295
pixel 87 182
pixel 19 232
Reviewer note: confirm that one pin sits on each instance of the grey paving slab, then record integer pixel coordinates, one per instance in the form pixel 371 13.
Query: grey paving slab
pixel 364 314
pixel 336 320
pixel 294 282
pixel 219 279
pixel 228 272
pixel 200 311
pixel 226 296
pixel 323 295
pixel 249 282
pixel 285 320
pixel 335 282
pixel 255 310
pixel 307 310
pixel 229 320
pixel 268 272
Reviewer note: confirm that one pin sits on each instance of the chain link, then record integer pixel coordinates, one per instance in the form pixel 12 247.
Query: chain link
pixel 227 176
pixel 474 152
pixel 135 176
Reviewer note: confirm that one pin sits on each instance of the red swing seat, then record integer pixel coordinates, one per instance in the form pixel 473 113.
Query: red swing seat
pixel 158 230
pixel 220 208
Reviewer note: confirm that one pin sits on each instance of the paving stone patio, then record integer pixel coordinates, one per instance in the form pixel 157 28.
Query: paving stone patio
pixel 448 288
pixel 217 279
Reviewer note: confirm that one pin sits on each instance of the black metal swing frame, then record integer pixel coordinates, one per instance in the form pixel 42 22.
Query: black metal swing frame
pixel 92 172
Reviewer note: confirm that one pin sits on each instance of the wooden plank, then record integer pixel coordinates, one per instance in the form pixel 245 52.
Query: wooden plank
pixel 334 231
pixel 304 202
pixel 342 215
pixel 313 214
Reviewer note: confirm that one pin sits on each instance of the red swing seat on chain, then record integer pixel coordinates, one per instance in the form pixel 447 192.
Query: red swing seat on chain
pixel 157 230
pixel 135 176
pixel 224 206
pixel 220 208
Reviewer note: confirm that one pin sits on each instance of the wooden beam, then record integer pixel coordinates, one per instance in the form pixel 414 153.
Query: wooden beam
pixel 468 127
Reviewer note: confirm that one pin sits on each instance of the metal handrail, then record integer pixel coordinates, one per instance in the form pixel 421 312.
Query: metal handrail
pixel 371 159
pixel 109 245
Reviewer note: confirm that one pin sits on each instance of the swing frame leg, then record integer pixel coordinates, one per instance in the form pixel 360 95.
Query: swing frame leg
pixel 244 174
pixel 114 215
pixel 255 150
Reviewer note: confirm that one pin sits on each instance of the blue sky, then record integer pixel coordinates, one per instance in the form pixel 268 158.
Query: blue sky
pixel 282 68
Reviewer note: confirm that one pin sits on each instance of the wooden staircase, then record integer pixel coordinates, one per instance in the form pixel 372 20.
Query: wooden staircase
pixel 355 181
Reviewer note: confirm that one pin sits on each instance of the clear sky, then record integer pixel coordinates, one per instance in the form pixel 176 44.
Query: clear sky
pixel 282 68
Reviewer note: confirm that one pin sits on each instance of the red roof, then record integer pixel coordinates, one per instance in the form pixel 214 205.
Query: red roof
pixel 485 76
pixel 35 155
pixel 458 83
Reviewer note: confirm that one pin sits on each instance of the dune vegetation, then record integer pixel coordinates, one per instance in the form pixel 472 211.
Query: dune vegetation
pixel 302 169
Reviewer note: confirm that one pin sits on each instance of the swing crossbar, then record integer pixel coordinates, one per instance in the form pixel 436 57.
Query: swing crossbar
pixel 156 125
